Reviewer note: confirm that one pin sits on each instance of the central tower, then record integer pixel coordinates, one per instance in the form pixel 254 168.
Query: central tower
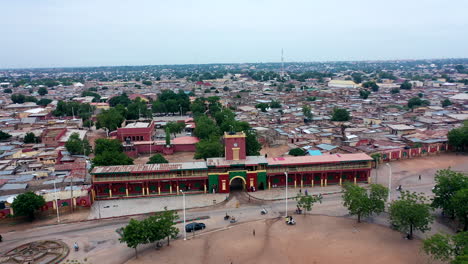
pixel 234 145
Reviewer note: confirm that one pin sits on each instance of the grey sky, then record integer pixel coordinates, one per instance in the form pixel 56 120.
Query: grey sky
pixel 51 33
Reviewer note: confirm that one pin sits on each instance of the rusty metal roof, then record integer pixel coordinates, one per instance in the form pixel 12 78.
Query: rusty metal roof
pixel 150 167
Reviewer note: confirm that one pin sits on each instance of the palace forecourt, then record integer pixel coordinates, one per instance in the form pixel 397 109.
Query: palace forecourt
pixel 234 171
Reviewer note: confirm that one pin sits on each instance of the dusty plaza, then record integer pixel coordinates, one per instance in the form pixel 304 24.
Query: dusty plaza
pixel 325 235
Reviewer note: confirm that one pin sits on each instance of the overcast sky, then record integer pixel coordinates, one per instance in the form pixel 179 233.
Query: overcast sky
pixel 53 33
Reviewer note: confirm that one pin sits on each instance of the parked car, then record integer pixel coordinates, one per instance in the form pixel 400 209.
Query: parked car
pixel 194 226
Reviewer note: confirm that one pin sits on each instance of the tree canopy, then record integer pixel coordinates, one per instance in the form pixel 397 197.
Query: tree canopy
pixel 364 94
pixel 307 201
pixel 156 159
pixel 110 119
pixel 297 152
pixel 209 148
pixel 76 146
pixel 121 99
pixel 372 85
pixel 458 137
pixel 4 135
pixel 416 101
pixel 406 85
pixel 453 248
pixel 448 183
pixel 446 102
pixel 362 202
pixel 42 91
pixel 30 138
pixel 26 204
pixel 306 110
pixel 411 212
pixel 340 114
pixel 21 98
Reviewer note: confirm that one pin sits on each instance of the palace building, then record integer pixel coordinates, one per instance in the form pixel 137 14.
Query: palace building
pixel 234 171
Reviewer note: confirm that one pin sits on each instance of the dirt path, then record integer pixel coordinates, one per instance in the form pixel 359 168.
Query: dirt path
pixel 315 239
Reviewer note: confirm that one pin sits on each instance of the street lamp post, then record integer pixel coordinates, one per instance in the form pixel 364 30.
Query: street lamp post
pixel 183 205
pixel 286 181
pixel 389 182
pixel 56 203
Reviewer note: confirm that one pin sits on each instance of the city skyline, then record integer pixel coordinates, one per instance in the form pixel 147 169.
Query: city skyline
pixel 114 33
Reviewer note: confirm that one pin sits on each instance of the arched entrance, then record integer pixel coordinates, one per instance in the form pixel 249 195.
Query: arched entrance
pixel 237 184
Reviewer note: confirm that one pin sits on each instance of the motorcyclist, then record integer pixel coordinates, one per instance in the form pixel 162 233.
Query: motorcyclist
pixel 75 245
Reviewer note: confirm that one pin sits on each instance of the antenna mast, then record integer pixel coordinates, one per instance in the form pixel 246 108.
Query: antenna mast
pixel 282 64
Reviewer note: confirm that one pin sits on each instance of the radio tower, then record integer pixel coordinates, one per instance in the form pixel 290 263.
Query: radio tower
pixel 282 64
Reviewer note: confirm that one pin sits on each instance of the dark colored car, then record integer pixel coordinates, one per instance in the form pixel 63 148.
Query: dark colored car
pixel 194 226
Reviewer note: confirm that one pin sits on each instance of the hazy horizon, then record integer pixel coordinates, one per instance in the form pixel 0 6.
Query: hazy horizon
pixel 55 34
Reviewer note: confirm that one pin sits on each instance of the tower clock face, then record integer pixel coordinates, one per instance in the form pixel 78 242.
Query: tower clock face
pixel 235 144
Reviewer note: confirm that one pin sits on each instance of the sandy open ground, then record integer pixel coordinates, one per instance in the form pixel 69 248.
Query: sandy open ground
pixel 315 239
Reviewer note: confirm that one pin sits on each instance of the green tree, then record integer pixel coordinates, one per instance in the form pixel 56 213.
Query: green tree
pixel 297 152
pixel 453 248
pixel 168 136
pixel 406 85
pixel 4 135
pixel 252 145
pixel 168 228
pixel 411 212
pixel 364 94
pixel 376 157
pixel 205 127
pixel 158 107
pixel 18 98
pixel 88 123
pixel 30 138
pixel 307 201
pixel 340 114
pixel 209 148
pixel 448 182
pixel 42 91
pixel 8 90
pixel 306 110
pixel 156 159
pixel 112 158
pixel 26 204
pixel 362 202
pixel 147 83
pixel 395 90
pixel 103 144
pixel 76 146
pixel 262 106
pixel 458 137
pixel 137 109
pixel 446 103
pixel 416 101
pixel 134 234
pixel 372 85
pixel 110 119
pixel 44 102
pixel 198 107
pixel 459 203
pixel 275 104
pixel 121 99
pixel 175 127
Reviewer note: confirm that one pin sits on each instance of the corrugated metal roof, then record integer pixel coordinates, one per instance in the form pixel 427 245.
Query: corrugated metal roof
pixel 150 167
pixel 318 159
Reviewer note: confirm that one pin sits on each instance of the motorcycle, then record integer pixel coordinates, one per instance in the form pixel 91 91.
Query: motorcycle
pixel 233 220
pixel 399 188
pixel 76 246
pixel 264 211
pixel 226 217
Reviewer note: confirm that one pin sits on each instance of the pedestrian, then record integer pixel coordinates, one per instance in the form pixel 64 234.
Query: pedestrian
pixel 419 176
pixel 306 192
pixel 300 190
pixel 253 232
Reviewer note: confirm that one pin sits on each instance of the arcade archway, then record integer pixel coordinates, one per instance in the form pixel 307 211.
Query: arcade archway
pixel 237 184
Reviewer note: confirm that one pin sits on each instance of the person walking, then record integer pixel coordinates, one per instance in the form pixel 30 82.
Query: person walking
pixel 419 176
pixel 253 233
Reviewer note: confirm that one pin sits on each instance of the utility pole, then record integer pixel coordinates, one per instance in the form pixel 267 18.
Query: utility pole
pixel 56 203
pixel 71 192
pixel 286 177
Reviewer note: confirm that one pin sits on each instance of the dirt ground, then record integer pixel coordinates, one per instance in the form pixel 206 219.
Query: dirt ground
pixel 315 239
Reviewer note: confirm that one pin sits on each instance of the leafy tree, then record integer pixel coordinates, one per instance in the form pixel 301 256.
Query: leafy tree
pixel 96 96
pixel 416 101
pixel 156 159
pixel 18 98
pixel 175 127
pixel 364 94
pixel 110 119
pixel 209 148
pixel 306 110
pixel 137 109
pixel 448 183
pixel 458 137
pixel 103 144
pixel 168 228
pixel 158 107
pixel 27 203
pixel 134 234
pixel 275 104
pixel 30 138
pixel 311 98
pixel 88 123
pixel 8 90
pixel 121 99
pixel 376 157
pixel 307 201
pixel 198 107
pixel 297 152
pixel 44 102
pixel 4 135
pixel 395 90
pixel 262 106
pixel 357 77
pixel 362 203
pixel 252 146
pixel 421 95
pixel 372 85
pixel 411 212
pixel 168 137
pixel 112 158
pixel 340 114
pixel 225 88
pixel 446 103
pixel 205 127
pixel 147 83
pixel 453 248
pixel 76 146
pixel 459 203
pixel 42 91
pixel 406 85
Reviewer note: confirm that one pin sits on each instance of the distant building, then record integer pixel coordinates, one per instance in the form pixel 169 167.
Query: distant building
pixel 342 84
